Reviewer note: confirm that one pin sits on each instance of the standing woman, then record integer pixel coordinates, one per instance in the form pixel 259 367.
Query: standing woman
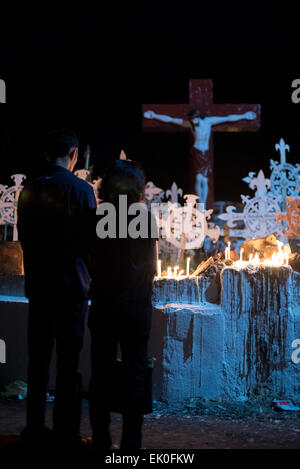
pixel 122 279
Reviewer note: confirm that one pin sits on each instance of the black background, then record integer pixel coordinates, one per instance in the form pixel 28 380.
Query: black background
pixel 91 71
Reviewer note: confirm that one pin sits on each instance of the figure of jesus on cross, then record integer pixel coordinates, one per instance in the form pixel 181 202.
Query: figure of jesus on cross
pixel 200 123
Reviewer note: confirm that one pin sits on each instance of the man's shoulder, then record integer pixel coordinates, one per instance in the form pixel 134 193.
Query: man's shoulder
pixel 81 184
pixel 69 179
pixel 64 179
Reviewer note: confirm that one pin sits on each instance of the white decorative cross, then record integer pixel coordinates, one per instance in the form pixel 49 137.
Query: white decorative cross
pixel 184 222
pixel 259 214
pixel 174 193
pixel 9 197
pixel 260 182
pixel 190 223
pixel 284 176
pixel 282 147
pixel 151 191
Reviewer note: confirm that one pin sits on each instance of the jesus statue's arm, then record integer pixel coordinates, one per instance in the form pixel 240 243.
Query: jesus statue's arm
pixel 231 118
pixel 167 119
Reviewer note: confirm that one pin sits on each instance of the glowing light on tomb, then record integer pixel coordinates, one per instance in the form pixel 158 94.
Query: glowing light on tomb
pixel 278 259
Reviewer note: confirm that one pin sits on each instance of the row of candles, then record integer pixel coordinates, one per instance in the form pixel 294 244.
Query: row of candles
pixel 278 258
pixel 227 252
pixel 174 272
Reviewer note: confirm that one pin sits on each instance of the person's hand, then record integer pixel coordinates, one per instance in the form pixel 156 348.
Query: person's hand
pixel 149 115
pixel 250 115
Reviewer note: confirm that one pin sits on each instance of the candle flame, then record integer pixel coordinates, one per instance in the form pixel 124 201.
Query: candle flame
pixel 278 259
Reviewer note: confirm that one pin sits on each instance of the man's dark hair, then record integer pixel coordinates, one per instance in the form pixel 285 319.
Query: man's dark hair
pixel 123 177
pixel 59 143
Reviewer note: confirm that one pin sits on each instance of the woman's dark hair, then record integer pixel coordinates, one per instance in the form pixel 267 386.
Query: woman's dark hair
pixel 123 177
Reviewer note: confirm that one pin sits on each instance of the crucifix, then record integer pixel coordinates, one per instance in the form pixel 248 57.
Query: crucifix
pixel 201 117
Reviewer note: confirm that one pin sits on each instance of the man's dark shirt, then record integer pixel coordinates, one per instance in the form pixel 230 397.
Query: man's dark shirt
pixel 54 215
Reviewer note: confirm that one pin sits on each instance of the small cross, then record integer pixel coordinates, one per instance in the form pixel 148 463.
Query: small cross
pixel 282 147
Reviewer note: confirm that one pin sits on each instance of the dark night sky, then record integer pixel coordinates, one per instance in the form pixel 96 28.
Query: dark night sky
pixel 92 71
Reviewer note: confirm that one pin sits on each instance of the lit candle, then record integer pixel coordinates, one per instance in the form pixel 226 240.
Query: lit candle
pixel 175 271
pixel 286 259
pixel 228 247
pixel 250 257
pixel 188 266
pixel 169 272
pixel 159 268
pixel 241 254
pixel 181 273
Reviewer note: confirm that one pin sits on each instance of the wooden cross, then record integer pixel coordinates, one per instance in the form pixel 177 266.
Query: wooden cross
pixel 201 100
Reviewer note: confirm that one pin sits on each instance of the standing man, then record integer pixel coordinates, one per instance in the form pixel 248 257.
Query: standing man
pixel 53 215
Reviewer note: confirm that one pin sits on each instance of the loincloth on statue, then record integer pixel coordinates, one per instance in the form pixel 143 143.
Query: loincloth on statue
pixel 201 162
